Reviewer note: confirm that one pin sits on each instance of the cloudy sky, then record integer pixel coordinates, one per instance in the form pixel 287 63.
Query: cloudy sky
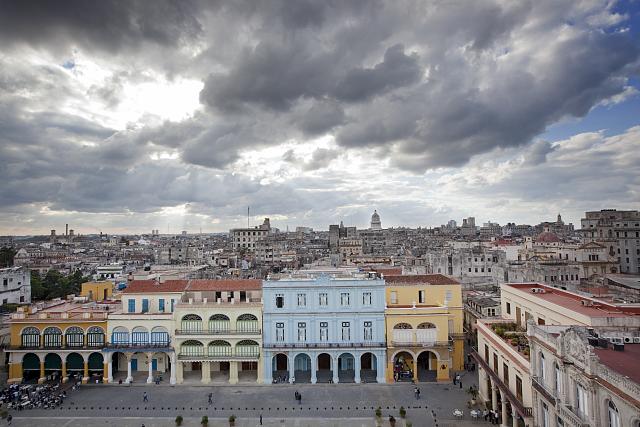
pixel 131 116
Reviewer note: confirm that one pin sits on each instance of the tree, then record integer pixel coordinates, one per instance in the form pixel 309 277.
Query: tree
pixel 6 256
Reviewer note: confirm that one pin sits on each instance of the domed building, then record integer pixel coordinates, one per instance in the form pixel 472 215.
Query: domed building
pixel 375 221
pixel 547 237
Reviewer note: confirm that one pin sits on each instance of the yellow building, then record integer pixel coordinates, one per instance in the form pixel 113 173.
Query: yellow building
pixel 97 291
pixel 61 339
pixel 424 320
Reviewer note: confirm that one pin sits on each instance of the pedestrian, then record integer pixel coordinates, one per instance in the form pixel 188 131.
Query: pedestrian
pixel 485 414
pixel 210 398
pixel 145 398
pixel 417 393
pixel 300 398
pixel 260 419
pixel 9 418
pixel 460 383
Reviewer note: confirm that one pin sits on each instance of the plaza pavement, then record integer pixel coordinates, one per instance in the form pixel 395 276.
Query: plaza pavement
pixel 323 405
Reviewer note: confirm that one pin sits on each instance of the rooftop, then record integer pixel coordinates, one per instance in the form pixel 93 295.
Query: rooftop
pixel 153 286
pixel 624 362
pixel 581 304
pixel 420 279
pixel 67 310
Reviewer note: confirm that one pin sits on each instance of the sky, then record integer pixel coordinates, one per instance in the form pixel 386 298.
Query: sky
pixel 123 117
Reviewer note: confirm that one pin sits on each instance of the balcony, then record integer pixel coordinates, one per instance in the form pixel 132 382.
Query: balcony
pixel 524 411
pixel 324 345
pixel 156 346
pixel 96 347
pixel 218 332
pixel 538 385
pixel 218 354
pixel 571 417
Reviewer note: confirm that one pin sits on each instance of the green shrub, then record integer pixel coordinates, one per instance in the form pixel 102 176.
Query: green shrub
pixel 379 412
pixel 403 412
pixel 205 421
pixel 179 420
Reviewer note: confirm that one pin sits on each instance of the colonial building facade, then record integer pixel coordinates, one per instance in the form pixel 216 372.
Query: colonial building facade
pixel 424 321
pixel 324 327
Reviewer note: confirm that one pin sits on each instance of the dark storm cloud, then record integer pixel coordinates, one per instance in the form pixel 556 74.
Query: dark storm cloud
pixel 107 25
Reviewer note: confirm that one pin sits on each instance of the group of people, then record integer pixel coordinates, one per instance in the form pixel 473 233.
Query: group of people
pixel 492 416
pixel 28 396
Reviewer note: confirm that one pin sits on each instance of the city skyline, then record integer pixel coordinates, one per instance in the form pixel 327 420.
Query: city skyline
pixel 124 118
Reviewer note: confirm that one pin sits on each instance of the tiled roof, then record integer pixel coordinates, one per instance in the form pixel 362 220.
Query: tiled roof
pixel 624 362
pixel 225 285
pixel 419 279
pixel 151 286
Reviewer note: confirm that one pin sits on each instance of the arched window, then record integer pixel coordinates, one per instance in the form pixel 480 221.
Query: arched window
pixel 52 337
pixel 247 348
pixel 30 337
pixel 159 336
pixel 248 323
pixel 614 415
pixel 191 323
pixel 95 336
pixel 219 323
pixel 402 326
pixel 120 335
pixel 192 348
pixel 426 325
pixel 219 348
pixel 74 336
pixel 140 335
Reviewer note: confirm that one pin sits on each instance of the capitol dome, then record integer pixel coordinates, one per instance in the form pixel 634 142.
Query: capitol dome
pixel 375 221
pixel 547 237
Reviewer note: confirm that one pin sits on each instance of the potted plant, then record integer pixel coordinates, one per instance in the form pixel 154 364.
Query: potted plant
pixel 403 412
pixel 179 420
pixel 205 421
pixel 392 421
pixel 232 420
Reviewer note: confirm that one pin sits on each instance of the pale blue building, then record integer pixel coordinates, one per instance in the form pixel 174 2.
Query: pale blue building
pixel 324 328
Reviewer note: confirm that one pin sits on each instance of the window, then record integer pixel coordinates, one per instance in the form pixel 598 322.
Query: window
pixel 581 401
pixel 74 336
pixel 542 370
pixel 302 331
pixel 145 305
pixel 173 303
pixel 505 373
pixel 323 299
pixel 280 332
pixel 486 353
pixel 544 415
pixel 346 331
pixel 421 297
pixel 368 331
pixel 161 305
pixel 324 331
pixel 519 388
pixel 95 336
pixel 558 382
pixel 132 306
pixel 279 300
pixel 495 363
pixel 614 416
pixel 344 299
pixel 559 422
pixel 302 300
pixel 394 297
pixel 448 297
pixel 508 308
pixel 366 298
pixel 30 337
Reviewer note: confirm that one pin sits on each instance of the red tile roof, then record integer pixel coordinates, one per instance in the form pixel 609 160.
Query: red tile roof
pixel 624 362
pixel 225 285
pixel 151 286
pixel 419 279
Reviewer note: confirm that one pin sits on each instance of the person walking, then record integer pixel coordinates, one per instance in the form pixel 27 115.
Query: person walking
pixel 210 398
pixel 9 418
pixel 145 398
pixel 300 398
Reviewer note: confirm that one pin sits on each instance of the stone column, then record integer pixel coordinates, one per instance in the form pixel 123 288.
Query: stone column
pixel 292 370
pixel 206 372
pixel 505 415
pixel 179 372
pixel 314 368
pixel 150 361
pixel 260 378
pixel 266 362
pixel 415 369
pixel 482 384
pixel 356 367
pixel 109 369
pixel 494 398
pixel 233 372
pixel 85 377
pixel 42 377
pixel 335 369
pixel 64 372
pixel 514 422
pixel 381 366
pixel 129 376
pixel 172 380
